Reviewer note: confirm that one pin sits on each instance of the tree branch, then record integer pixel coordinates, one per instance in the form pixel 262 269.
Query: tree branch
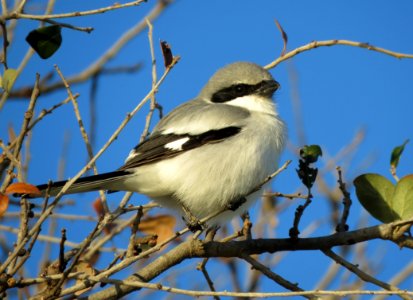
pixel 316 44
pixel 196 248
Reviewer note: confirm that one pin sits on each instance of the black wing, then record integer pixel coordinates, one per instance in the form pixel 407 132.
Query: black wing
pixel 155 148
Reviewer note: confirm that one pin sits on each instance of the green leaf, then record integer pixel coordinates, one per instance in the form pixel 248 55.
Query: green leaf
pixel 46 40
pixel 375 193
pixel 9 77
pixel 311 153
pixel 403 197
pixel 396 153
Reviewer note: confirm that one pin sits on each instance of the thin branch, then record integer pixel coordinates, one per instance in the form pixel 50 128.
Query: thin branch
pixel 172 290
pixel 328 43
pixel 270 177
pixel 10 155
pixel 23 131
pixel 153 103
pixel 27 56
pixel 5 43
pixel 23 229
pixel 46 17
pixel 134 229
pixel 56 240
pixel 196 248
pixel 97 66
pixel 288 196
pixel 342 226
pixel 4 7
pixel 82 132
pixel 364 276
pixel 274 277
pixel 70 26
pixel 82 171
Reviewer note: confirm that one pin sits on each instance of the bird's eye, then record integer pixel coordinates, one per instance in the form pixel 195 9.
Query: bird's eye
pixel 240 89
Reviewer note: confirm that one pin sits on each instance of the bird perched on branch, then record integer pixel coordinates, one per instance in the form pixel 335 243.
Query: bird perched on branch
pixel 209 153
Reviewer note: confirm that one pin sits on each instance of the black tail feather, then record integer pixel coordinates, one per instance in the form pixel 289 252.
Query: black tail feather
pixel 84 184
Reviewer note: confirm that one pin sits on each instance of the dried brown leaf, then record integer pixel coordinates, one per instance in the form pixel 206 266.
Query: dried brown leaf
pixel 161 225
pixel 98 207
pixel 167 54
pixel 22 188
pixel 4 204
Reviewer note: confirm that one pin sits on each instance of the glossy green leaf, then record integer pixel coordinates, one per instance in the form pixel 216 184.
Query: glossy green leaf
pixel 311 153
pixel 46 40
pixel 396 153
pixel 403 197
pixel 9 77
pixel 375 193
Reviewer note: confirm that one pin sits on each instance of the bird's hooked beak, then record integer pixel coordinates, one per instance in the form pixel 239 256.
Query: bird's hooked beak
pixel 268 87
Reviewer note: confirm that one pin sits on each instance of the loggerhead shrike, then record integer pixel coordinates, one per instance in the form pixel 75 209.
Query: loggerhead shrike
pixel 207 153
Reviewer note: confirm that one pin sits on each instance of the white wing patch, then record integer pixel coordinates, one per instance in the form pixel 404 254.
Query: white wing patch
pixel 177 145
pixel 131 155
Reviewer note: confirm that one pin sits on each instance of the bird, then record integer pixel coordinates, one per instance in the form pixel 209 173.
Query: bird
pixel 207 154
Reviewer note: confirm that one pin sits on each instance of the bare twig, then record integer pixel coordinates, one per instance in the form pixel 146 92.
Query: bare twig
pixel 23 230
pixel 274 277
pixel 5 43
pixel 23 131
pixel 134 230
pixel 56 240
pixel 294 231
pixel 153 103
pixel 28 55
pixel 157 286
pixel 288 196
pixel 84 169
pixel 83 132
pixel 364 276
pixel 46 17
pixel 270 177
pixel 316 44
pixel 97 66
pixel 343 226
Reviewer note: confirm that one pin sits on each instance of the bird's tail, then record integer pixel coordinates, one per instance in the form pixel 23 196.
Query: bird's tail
pixel 105 181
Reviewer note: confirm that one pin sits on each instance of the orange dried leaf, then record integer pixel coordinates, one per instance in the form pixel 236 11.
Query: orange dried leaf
pixel 98 207
pixel 4 204
pixel 161 225
pixel 22 188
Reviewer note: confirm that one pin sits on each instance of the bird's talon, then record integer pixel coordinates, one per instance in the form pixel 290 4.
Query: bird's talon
pixel 234 205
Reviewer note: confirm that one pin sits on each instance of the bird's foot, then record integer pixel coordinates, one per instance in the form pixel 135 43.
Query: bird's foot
pixel 235 204
pixel 192 222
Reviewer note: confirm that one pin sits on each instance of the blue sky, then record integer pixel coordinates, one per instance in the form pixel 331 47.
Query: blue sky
pixel 342 90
